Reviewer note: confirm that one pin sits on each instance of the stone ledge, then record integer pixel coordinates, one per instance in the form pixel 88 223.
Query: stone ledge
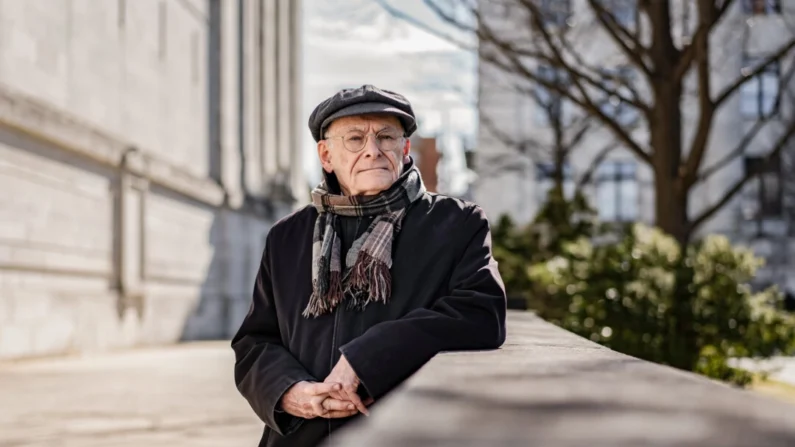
pixel 549 387
pixel 43 122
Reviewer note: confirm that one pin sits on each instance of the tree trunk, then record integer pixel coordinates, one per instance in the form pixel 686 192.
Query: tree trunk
pixel 671 202
pixel 559 160
pixel 665 126
pixel 670 209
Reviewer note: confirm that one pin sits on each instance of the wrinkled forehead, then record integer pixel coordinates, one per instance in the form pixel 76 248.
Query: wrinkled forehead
pixel 374 122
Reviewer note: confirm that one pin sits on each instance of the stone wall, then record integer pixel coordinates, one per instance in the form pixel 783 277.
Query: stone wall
pixel 89 260
pixel 137 184
pixel 549 387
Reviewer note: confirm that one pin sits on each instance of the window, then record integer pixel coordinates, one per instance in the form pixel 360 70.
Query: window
pixel 555 12
pixel 617 191
pixel 545 180
pixel 551 106
pixel 617 79
pixel 758 95
pixel 762 7
pixel 765 198
pixel 624 11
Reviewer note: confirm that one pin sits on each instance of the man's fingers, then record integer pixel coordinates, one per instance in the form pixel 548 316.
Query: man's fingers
pixel 332 404
pixel 351 395
pixel 319 388
pixel 339 394
pixel 339 414
pixel 317 405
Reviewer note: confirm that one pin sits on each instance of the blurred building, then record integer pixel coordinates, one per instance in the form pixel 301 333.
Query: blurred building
pixel 145 149
pixel 426 156
pixel 514 170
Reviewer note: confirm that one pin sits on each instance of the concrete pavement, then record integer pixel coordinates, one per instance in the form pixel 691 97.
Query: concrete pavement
pixel 172 396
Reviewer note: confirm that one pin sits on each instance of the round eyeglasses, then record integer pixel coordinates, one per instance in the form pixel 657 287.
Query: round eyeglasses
pixel 356 141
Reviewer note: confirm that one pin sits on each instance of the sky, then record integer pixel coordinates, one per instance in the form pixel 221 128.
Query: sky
pixel 348 43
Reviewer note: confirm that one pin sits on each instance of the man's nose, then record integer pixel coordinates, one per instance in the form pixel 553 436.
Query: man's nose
pixel 371 147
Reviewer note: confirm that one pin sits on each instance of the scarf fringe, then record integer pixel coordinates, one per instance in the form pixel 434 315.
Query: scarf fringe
pixel 318 305
pixel 369 281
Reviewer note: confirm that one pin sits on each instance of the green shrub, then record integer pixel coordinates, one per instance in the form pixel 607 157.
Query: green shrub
pixel 558 222
pixel 645 296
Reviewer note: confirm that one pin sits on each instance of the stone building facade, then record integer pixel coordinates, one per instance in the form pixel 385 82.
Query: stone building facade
pixel 761 216
pixel 146 146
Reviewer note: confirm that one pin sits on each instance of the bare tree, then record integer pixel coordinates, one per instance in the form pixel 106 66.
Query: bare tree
pixel 672 58
pixel 653 46
pixel 568 130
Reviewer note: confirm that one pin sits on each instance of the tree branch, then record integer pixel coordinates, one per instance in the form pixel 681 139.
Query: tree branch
pixel 528 143
pixel 583 127
pixel 408 18
pixel 688 53
pixel 777 56
pixel 559 60
pixel 588 174
pixel 516 66
pixel 751 134
pixel 501 163
pixel 622 82
pixel 618 33
pixel 738 186
pixel 736 152
pixel 485 34
pixel 706 107
pixel 586 103
pixel 578 128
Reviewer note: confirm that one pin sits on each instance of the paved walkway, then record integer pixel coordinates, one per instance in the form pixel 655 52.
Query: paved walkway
pixel 174 396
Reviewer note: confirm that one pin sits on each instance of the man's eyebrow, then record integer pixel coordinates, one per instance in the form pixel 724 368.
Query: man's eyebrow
pixel 387 127
pixel 353 127
pixel 361 128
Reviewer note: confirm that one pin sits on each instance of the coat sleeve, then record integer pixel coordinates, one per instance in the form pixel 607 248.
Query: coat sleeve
pixel 470 317
pixel 264 368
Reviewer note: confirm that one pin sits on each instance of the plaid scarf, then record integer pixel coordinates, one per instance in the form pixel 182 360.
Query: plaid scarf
pixel 366 277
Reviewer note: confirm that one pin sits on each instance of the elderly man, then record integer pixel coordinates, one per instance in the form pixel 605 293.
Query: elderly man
pixel 360 289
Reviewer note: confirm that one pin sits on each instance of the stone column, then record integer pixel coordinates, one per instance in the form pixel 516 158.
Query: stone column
pixel 130 235
pixel 271 89
pixel 229 102
pixel 297 126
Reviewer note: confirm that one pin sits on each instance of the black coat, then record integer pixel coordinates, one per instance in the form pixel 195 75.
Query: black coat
pixel 446 295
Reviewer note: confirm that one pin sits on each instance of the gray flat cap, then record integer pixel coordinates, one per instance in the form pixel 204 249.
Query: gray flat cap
pixel 364 100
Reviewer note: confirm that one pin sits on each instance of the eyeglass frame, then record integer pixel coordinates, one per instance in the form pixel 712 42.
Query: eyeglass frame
pixel 366 139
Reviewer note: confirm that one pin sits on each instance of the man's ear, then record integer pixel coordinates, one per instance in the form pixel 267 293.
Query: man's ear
pixel 324 154
pixel 406 147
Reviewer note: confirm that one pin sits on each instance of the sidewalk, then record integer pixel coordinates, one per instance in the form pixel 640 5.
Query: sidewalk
pixel 173 396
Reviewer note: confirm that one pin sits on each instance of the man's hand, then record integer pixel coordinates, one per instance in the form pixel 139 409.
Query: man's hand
pixel 309 400
pixel 343 374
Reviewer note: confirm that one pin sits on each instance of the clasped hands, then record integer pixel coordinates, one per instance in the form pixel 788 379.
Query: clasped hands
pixel 335 397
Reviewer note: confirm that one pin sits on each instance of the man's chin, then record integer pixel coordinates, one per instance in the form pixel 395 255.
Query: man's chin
pixel 372 188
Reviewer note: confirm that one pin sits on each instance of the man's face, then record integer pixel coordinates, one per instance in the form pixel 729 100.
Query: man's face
pixel 372 169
